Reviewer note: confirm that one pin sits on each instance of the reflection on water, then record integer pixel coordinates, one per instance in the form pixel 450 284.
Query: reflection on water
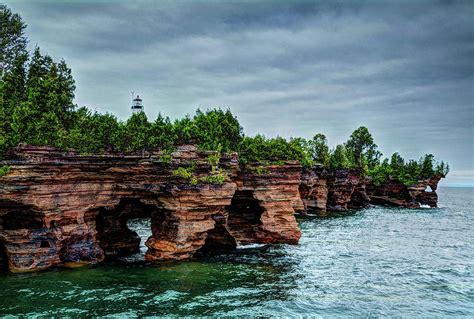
pixel 376 262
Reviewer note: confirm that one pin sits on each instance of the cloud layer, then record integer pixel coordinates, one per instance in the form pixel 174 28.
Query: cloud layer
pixel 403 69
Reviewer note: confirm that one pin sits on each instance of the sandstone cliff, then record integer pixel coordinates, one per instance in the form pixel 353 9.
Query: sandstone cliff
pixel 337 190
pixel 60 209
pixel 395 193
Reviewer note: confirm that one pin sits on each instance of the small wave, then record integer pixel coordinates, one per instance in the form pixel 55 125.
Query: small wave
pixel 251 246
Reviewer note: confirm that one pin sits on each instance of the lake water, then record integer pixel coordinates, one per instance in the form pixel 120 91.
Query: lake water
pixel 373 262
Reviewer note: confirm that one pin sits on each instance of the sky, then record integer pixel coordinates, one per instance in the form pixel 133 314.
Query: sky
pixel 404 69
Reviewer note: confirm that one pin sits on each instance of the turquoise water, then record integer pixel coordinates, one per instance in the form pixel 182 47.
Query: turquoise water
pixel 374 262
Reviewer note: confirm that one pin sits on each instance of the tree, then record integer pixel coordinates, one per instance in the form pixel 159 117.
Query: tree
pixel 361 146
pixel 137 133
pixel 301 149
pixel 12 93
pixel 339 158
pixel 12 39
pixel 442 169
pixel 427 166
pixel 184 130
pixel 381 173
pixel 320 149
pixel 217 129
pixel 162 133
pixel 397 162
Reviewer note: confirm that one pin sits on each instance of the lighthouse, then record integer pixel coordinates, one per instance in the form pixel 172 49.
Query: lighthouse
pixel 137 105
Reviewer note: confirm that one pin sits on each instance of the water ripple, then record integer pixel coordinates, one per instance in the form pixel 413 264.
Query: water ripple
pixel 370 263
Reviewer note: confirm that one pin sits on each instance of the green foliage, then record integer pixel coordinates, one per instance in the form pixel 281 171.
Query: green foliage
pixel 274 150
pixel 161 133
pixel 361 148
pixel 261 170
pixel 186 173
pixel 166 159
pixel 442 169
pixel 4 170
pixel 36 107
pixel 427 166
pixel 213 161
pixel 340 158
pixel 320 150
pixel 217 178
pixel 381 173
pixel 12 38
pixel 136 133
pixel 409 172
pixel 217 130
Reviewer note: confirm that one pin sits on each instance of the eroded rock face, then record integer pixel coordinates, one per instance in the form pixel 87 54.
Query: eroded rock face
pixel 335 190
pixel 314 190
pixel 62 209
pixel 264 204
pixel 395 193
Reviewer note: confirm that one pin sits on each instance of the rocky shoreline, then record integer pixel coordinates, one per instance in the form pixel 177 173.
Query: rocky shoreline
pixel 64 209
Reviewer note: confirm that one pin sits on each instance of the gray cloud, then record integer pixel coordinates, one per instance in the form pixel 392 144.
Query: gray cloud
pixel 404 69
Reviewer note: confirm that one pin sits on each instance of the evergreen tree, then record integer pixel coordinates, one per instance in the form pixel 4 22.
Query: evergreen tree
pixel 137 133
pixel 12 39
pixel 320 150
pixel 361 147
pixel 162 133
pixel 339 158
pixel 427 166
pixel 217 129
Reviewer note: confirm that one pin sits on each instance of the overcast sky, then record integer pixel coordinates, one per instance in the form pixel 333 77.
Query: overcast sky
pixel 404 69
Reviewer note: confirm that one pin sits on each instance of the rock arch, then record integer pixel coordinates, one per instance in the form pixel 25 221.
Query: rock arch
pixel 244 217
pixel 113 234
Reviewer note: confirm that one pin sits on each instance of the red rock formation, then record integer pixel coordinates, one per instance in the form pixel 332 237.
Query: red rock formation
pixel 314 190
pixel 395 193
pixel 336 190
pixel 346 189
pixel 60 209
pixel 264 204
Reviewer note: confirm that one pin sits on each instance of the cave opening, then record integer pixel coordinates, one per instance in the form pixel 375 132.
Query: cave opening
pixel 123 230
pixel 21 218
pixel 219 239
pixel 428 189
pixel 244 214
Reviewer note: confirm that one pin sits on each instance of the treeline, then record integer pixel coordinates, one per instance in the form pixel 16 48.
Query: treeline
pixel 36 107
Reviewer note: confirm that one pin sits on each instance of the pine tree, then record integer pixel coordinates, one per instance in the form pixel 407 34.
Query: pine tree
pixel 12 39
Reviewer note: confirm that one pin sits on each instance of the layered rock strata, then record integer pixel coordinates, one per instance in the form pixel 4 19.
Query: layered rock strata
pixel 337 190
pixel 313 190
pixel 63 209
pixel 263 207
pixel 395 193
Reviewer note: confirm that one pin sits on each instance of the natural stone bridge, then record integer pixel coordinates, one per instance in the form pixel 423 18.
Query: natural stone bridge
pixel 60 209
pixel 64 209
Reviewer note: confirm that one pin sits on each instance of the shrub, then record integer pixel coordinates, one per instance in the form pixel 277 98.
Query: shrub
pixel 187 174
pixel 4 170
pixel 216 179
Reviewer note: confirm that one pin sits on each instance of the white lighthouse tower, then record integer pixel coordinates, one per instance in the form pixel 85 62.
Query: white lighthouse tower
pixel 137 105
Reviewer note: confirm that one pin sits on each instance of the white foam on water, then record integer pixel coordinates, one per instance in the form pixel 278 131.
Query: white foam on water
pixel 251 246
